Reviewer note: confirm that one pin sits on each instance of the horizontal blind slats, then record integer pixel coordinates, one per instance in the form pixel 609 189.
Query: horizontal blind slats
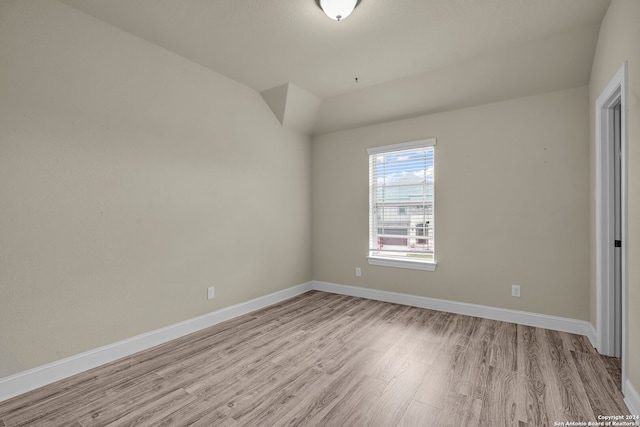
pixel 401 184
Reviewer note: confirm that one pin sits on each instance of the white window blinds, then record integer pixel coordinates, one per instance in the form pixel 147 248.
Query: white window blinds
pixel 401 201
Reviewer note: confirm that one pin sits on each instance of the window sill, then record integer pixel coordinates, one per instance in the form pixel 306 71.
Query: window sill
pixel 402 263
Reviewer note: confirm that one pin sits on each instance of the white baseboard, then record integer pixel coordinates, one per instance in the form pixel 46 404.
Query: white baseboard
pixel 631 398
pixel 34 378
pixel 556 323
pixel 23 382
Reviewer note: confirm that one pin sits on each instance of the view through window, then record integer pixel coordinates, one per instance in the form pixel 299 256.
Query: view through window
pixel 401 201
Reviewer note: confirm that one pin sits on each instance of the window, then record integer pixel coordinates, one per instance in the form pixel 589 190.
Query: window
pixel 401 205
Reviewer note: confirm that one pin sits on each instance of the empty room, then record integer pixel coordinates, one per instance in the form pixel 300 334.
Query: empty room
pixel 319 213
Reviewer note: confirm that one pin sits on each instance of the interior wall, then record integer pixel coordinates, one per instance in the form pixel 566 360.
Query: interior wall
pixel 618 42
pixel 512 205
pixel 132 179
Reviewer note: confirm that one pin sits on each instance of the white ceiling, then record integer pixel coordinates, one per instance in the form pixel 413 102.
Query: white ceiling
pixel 410 56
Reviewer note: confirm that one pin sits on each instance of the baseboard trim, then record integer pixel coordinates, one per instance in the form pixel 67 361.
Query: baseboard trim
pixel 23 382
pixel 556 323
pixel 631 398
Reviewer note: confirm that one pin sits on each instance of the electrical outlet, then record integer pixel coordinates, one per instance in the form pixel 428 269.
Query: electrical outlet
pixel 210 292
pixel 515 291
pixel 358 272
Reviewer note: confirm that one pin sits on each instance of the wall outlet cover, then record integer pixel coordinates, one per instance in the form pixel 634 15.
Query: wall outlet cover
pixel 515 291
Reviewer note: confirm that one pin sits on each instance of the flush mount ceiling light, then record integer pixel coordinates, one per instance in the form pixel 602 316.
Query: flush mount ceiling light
pixel 338 9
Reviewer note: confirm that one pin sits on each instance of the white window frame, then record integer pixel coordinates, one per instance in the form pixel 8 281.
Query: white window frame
pixel 426 265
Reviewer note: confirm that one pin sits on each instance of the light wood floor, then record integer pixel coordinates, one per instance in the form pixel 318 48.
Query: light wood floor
pixel 331 360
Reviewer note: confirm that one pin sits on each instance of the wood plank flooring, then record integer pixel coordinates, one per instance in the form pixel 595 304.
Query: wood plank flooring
pixel 331 360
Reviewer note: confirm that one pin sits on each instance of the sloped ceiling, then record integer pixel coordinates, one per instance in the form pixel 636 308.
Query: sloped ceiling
pixel 410 57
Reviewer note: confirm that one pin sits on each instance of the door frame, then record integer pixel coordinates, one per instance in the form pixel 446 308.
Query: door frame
pixel 615 93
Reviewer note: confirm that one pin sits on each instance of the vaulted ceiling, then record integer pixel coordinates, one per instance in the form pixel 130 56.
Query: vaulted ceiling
pixel 410 57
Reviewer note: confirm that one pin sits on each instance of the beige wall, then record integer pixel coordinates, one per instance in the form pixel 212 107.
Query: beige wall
pixel 130 180
pixel 619 40
pixel 512 205
pixel 121 165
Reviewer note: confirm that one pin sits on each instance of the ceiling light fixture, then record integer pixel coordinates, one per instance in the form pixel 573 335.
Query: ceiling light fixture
pixel 337 9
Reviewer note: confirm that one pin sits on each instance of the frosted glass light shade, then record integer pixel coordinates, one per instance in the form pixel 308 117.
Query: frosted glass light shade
pixel 338 9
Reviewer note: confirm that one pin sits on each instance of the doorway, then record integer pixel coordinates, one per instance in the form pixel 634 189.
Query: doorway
pixel 611 218
pixel 617 230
